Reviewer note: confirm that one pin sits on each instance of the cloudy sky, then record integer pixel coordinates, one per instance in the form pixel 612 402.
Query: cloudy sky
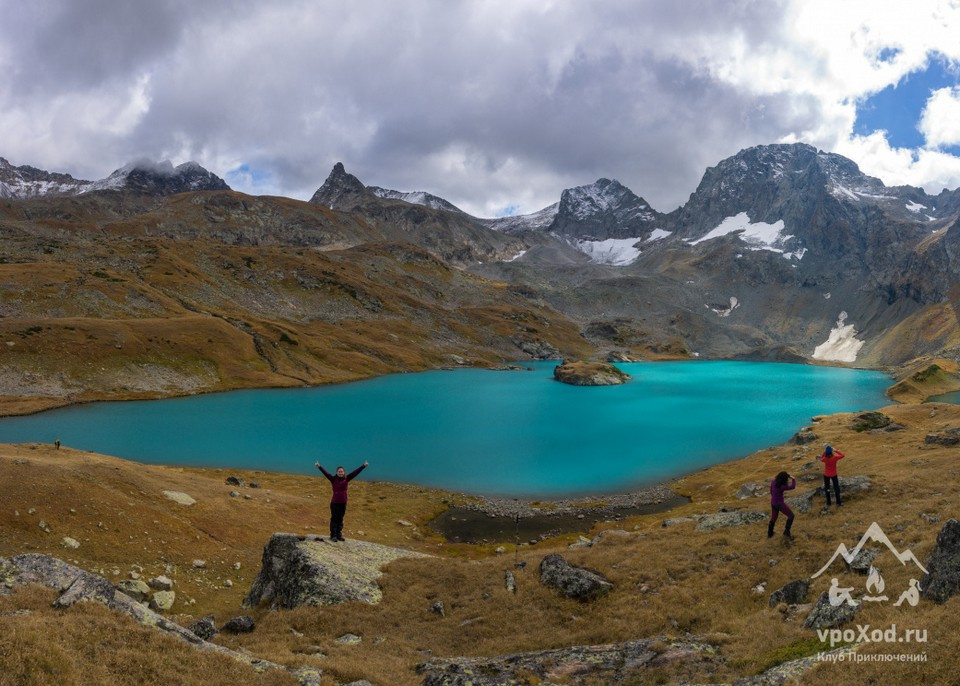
pixel 496 105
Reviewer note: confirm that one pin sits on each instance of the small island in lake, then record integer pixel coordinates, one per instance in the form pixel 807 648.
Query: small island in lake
pixel 580 373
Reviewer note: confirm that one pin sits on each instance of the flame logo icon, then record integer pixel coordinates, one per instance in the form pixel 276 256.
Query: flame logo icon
pixel 875 582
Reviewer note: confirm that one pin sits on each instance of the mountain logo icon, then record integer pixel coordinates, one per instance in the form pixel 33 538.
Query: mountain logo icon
pixel 875 584
pixel 873 534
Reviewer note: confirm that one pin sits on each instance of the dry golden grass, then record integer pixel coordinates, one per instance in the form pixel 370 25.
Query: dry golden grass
pixel 668 581
pixel 89 644
pixel 153 317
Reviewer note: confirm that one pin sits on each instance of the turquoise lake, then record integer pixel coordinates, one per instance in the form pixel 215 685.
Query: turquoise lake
pixel 492 432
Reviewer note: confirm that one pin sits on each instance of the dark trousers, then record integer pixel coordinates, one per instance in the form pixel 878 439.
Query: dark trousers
pixel 775 511
pixel 337 510
pixel 836 487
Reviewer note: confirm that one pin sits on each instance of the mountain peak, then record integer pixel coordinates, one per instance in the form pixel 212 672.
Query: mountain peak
pixel 603 209
pixel 160 178
pixel 338 189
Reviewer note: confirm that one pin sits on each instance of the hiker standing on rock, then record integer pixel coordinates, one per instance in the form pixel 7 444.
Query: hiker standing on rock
pixel 777 505
pixel 338 503
pixel 829 459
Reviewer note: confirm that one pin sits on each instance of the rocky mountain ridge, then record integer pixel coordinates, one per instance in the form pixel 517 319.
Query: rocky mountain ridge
pixel 142 176
pixel 782 252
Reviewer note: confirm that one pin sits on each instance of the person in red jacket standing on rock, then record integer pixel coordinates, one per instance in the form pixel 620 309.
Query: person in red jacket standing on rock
pixel 338 503
pixel 829 459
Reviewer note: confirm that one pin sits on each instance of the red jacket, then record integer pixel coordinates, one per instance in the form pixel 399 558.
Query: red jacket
pixel 830 463
pixel 340 483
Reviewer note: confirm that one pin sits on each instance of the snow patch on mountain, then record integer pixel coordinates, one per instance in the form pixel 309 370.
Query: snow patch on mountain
pixel 616 251
pixel 757 235
pixel 915 207
pixel 657 234
pixel 842 345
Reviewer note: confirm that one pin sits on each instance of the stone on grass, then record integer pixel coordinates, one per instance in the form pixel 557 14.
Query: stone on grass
pixel 243 624
pixel 204 628
pixel 722 520
pixel 751 490
pixel 849 485
pixel 160 583
pixel 573 582
pixel 134 588
pixel 234 481
pixel 179 497
pixel 825 616
pixel 71 543
pixel 348 640
pixel 868 421
pixel 438 609
pixel 792 593
pixel 162 601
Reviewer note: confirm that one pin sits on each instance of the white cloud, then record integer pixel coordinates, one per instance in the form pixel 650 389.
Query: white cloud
pixel 490 104
pixel 940 121
pixel 929 169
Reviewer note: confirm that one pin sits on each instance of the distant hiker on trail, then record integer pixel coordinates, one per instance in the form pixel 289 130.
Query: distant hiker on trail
pixel 777 504
pixel 338 503
pixel 829 459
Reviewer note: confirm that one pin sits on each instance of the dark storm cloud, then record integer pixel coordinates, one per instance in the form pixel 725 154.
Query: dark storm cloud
pixel 488 104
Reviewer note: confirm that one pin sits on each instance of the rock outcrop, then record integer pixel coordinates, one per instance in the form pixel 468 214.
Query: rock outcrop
pixel 310 571
pixel 589 374
pixel 942 580
pixel 639 661
pixel 574 582
pixel 824 615
pixel 848 485
pixel 612 663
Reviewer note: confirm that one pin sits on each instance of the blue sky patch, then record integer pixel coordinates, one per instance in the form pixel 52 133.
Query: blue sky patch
pixel 897 108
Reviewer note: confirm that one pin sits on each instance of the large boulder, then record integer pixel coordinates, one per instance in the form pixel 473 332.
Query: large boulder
pixel 868 421
pixel 825 616
pixel 942 579
pixel 310 571
pixel 574 582
pixel 849 485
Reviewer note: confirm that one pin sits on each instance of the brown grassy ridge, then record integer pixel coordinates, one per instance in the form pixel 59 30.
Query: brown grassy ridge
pixel 668 580
pixel 151 317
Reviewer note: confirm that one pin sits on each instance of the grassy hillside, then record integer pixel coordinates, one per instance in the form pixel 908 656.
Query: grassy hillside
pixel 668 580
pixel 85 318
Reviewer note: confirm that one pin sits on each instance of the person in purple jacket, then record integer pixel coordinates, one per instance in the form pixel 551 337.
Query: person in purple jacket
pixel 338 503
pixel 777 505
